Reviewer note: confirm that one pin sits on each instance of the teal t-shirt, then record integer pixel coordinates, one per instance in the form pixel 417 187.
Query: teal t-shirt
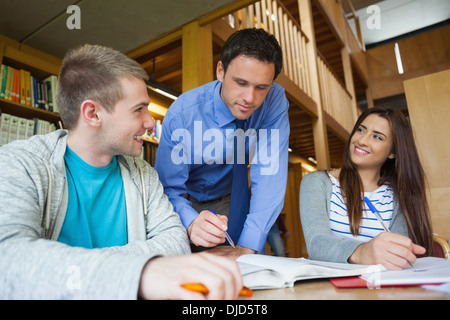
pixel 96 215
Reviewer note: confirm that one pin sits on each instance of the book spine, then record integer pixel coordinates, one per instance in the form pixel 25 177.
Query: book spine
pixel 27 81
pixel 9 81
pixel 49 95
pixel 4 133
pixel 13 128
pixel 22 95
pixel 35 93
pixel 3 73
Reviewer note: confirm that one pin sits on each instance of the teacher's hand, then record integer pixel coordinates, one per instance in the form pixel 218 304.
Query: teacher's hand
pixel 208 229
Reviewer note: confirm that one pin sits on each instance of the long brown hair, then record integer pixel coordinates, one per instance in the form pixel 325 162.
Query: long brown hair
pixel 404 174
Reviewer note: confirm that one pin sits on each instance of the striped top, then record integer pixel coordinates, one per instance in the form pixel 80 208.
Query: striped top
pixel 383 200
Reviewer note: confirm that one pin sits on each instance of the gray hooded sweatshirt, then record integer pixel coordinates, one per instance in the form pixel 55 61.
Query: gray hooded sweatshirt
pixel 33 204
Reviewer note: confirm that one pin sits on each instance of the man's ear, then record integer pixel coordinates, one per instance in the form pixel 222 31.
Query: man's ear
pixel 220 72
pixel 90 112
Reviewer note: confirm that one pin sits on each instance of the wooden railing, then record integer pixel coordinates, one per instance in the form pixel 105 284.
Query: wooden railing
pixel 336 101
pixel 352 16
pixel 273 17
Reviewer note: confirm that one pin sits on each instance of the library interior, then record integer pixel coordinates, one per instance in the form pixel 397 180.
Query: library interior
pixel 340 57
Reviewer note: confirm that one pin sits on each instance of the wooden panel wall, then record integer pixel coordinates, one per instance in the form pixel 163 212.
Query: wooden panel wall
pixel 295 243
pixel 422 54
pixel 428 100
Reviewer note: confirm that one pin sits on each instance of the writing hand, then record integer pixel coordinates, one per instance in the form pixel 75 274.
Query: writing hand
pixel 393 251
pixel 207 230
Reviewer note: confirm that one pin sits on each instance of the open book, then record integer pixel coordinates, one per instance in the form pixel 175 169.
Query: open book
pixel 270 272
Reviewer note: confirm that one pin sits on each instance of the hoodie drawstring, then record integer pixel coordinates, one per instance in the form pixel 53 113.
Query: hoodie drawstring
pixel 144 193
pixel 47 215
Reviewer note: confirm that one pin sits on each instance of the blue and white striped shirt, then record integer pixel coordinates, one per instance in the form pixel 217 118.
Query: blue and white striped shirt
pixel 383 200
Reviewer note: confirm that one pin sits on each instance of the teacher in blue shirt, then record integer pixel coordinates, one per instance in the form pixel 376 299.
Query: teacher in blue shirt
pixel 196 153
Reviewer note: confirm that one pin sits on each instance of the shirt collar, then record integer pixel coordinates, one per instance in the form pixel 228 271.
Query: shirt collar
pixel 223 115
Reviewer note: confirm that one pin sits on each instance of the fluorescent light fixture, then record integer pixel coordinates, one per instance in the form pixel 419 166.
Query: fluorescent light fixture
pixel 231 20
pixel 164 93
pixel 398 58
pixel 162 89
pixel 311 159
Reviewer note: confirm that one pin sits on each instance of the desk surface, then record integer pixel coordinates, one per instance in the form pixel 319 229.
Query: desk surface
pixel 324 289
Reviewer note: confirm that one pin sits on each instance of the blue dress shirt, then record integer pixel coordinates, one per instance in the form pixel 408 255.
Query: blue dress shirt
pixel 194 155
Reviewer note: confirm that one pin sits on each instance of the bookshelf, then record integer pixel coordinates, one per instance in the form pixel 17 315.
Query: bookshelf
pixel 24 111
pixel 39 64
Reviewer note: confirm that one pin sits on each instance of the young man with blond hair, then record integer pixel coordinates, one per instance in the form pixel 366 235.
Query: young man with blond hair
pixel 82 217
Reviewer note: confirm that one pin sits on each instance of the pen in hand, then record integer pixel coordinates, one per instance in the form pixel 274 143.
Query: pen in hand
pixel 198 287
pixel 376 213
pixel 378 216
pixel 226 233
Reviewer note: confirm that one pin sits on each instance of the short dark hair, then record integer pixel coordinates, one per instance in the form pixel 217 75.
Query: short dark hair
pixel 92 72
pixel 253 42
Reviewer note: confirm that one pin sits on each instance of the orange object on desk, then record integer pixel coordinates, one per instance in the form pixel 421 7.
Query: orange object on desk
pixel 198 287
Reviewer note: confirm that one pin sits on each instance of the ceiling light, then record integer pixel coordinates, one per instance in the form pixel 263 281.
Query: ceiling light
pixel 162 89
pixel 311 159
pixel 398 58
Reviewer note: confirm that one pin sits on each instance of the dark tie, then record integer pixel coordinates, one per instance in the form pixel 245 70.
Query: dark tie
pixel 239 194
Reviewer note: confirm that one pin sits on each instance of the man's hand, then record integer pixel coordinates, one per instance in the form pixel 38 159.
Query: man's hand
pixel 162 277
pixel 208 229
pixel 392 250
pixel 230 252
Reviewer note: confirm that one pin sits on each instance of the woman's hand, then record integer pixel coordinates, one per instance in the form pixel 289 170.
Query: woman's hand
pixel 393 251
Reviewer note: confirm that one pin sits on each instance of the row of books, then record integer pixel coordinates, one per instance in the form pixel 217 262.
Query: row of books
pixel 149 153
pixel 20 86
pixel 17 128
pixel 154 135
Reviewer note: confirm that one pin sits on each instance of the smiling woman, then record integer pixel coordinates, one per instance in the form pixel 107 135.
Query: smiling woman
pixel 371 145
pixel 382 164
pixel 390 155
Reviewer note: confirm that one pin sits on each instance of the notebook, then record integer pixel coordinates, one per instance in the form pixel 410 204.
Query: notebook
pixel 429 270
pixel 271 272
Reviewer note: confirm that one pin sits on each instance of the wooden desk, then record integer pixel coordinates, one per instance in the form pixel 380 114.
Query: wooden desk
pixel 324 290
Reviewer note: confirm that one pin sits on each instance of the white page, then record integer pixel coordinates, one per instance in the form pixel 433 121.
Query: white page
pixel 425 270
pixel 442 288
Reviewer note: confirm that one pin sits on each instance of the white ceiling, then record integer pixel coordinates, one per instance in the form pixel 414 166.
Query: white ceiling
pixel 399 17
